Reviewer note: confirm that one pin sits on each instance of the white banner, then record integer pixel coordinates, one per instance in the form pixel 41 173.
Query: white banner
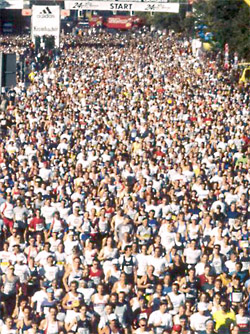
pixel 46 22
pixel 123 6
pixel 11 4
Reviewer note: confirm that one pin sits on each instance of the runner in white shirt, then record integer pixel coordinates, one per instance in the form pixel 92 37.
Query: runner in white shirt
pixel 177 298
pixel 41 258
pixel 142 260
pixel 160 320
pixel 51 271
pixel 75 219
pixel 160 263
pixel 22 270
pixel 192 254
pixel 38 297
pixel 5 258
pixel 198 319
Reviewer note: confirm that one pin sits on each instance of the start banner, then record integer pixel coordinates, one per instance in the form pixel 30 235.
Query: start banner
pixel 151 6
pixel 46 22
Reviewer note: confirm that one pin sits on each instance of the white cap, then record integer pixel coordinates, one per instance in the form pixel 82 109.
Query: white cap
pixel 20 258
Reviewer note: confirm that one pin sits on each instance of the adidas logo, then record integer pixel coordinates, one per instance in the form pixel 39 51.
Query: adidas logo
pixel 46 11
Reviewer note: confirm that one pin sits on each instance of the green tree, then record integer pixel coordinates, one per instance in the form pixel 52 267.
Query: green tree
pixel 229 22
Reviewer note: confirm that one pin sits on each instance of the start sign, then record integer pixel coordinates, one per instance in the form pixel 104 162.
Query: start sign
pixel 147 6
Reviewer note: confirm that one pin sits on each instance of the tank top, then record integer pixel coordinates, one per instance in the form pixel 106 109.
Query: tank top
pixel 114 275
pixel 125 289
pixel 24 328
pixel 235 231
pixel 193 231
pixel 181 228
pixel 89 255
pixel 152 281
pixel 193 292
pixel 73 298
pixel 83 326
pixel 52 328
pixel 32 252
pixel 245 260
pixel 217 264
pixel 127 265
pixel 236 295
pixel 118 220
pixel 75 275
pixel 207 231
pixel 10 285
pixel 103 225
pixel 108 254
pixel 99 303
pixel 95 276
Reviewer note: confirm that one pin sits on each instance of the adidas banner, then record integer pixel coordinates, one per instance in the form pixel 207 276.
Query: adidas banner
pixel 46 22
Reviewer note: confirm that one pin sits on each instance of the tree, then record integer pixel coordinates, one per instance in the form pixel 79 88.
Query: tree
pixel 228 21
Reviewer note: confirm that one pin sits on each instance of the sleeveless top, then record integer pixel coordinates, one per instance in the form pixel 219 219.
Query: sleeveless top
pixel 10 285
pixel 73 298
pixel 108 254
pixel 125 289
pixel 217 264
pixel 127 265
pixel 114 276
pixel 181 228
pixel 51 328
pixel 99 303
pixel 151 289
pixel 24 327
pixel 193 231
pixel 236 295
pixel 75 275
pixel 83 326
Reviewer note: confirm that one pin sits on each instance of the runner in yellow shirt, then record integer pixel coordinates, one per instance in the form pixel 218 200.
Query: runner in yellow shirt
pixel 224 318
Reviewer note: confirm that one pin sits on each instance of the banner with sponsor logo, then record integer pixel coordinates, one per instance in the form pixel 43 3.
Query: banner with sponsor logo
pixel 11 4
pixel 46 22
pixel 152 6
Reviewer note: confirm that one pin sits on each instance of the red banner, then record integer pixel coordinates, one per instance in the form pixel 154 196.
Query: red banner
pixel 119 22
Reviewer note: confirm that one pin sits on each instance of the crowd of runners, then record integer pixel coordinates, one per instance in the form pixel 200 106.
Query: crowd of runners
pixel 124 190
